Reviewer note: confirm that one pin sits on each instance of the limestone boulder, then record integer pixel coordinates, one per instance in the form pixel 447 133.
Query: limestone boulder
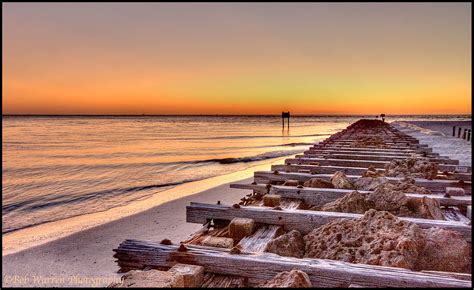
pixel 407 185
pixel 353 202
pixel 412 167
pixel 318 183
pixel 425 207
pixel 219 242
pixel 292 279
pixel 290 244
pixel 445 250
pixel 150 279
pixel 378 238
pixel 240 228
pixel 339 180
pixel 271 200
pixel 369 183
pixel 193 275
pixel 387 197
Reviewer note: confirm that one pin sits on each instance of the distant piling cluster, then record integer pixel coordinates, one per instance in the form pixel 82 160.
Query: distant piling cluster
pixel 283 116
pixel 463 133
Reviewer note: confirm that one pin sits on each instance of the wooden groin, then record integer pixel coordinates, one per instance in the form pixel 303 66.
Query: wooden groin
pixel 245 262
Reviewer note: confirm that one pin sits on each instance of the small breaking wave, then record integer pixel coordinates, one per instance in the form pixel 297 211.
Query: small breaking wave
pixel 247 137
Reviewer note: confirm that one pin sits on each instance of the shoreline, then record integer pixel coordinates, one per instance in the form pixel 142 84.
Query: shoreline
pixel 85 258
pixel 20 240
pixel 81 253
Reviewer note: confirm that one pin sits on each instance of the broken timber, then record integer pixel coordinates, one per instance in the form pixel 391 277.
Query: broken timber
pixel 321 169
pixel 355 163
pixel 258 268
pixel 435 185
pixel 301 220
pixel 320 196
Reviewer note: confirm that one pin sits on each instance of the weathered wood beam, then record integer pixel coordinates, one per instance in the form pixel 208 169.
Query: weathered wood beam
pixel 392 142
pixel 361 163
pixel 320 196
pixel 296 219
pixel 372 157
pixel 258 268
pixel 386 153
pixel 344 146
pixel 334 147
pixel 387 141
pixel 435 185
pixel 346 169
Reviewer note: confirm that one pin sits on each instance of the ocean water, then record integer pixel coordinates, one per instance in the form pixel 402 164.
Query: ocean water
pixel 65 166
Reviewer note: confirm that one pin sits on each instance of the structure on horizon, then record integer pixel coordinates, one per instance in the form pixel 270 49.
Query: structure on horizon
pixel 283 116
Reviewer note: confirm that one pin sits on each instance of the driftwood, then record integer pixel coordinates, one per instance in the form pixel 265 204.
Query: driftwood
pixel 257 268
pixel 301 220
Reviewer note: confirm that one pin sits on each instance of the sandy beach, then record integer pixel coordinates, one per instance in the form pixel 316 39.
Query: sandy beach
pixel 85 258
pixel 438 135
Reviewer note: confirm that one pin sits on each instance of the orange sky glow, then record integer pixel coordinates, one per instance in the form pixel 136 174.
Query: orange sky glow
pixel 171 58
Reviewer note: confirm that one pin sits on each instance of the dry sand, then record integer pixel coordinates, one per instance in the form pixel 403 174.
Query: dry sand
pixel 85 258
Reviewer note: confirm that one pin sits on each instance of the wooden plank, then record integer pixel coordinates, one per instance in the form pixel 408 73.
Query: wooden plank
pixel 332 151
pixel 348 148
pixel 389 137
pixel 356 163
pixel 320 196
pixel 373 157
pixel 302 220
pixel 435 185
pixel 346 169
pixel 387 142
pixel 257 242
pixel 258 268
pixel 344 146
pixel 320 169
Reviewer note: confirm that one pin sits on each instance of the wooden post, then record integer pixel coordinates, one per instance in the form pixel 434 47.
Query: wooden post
pixel 283 116
pixel 459 133
pixel 468 135
pixel 454 131
pixel 464 135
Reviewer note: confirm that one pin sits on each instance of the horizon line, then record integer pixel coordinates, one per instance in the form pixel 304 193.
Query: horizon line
pixel 208 115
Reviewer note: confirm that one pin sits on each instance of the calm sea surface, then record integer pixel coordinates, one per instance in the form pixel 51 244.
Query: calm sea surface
pixel 59 167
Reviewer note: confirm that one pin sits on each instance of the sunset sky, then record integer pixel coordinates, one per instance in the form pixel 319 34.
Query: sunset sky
pixel 183 58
